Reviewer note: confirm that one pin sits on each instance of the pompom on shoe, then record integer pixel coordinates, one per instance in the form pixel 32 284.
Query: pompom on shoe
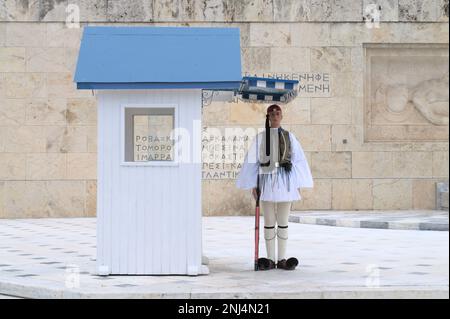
pixel 289 264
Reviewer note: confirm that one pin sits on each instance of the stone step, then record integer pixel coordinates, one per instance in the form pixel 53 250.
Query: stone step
pixel 436 220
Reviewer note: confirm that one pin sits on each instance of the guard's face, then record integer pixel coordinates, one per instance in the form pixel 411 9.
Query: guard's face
pixel 275 118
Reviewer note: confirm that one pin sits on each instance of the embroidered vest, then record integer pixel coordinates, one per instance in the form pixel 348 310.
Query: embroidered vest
pixel 285 152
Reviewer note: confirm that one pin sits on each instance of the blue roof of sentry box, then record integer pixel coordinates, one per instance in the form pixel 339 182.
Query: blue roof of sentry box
pixel 159 57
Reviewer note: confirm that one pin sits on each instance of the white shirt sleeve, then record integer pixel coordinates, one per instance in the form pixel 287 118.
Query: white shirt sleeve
pixel 247 178
pixel 301 173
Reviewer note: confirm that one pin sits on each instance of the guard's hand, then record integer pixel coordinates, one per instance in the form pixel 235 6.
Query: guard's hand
pixel 255 193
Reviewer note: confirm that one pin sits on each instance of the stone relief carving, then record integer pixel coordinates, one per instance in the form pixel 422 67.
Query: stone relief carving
pixel 429 97
pixel 406 92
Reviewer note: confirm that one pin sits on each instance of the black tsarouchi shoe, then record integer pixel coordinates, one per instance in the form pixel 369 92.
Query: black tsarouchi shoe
pixel 289 264
pixel 266 264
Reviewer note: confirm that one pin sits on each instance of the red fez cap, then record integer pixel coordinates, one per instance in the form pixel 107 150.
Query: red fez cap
pixel 273 107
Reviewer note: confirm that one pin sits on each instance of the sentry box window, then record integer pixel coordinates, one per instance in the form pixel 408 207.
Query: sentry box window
pixel 149 135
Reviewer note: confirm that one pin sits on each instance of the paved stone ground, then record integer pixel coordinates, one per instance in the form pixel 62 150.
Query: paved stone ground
pixel 413 220
pixel 38 259
pixel 8 297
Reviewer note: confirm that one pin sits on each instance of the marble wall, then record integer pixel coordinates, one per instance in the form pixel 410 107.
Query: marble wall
pixel 364 154
pixel 224 10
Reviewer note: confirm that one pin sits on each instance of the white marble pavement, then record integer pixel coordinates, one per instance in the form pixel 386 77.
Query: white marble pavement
pixel 54 258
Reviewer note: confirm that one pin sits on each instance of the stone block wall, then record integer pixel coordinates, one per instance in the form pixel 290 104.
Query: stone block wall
pixel 48 128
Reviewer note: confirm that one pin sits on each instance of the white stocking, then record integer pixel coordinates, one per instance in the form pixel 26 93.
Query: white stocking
pixel 268 210
pixel 283 210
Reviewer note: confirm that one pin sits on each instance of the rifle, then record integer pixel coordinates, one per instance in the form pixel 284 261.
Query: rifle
pixel 258 194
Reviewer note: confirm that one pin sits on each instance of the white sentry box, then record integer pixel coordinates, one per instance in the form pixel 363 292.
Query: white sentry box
pixel 148 80
pixel 148 212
